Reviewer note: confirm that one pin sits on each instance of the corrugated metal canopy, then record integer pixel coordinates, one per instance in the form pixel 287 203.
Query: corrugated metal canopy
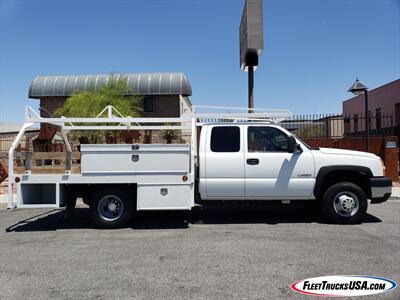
pixel 139 83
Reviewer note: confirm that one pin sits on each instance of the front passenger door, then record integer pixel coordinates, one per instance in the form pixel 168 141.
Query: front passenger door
pixel 271 172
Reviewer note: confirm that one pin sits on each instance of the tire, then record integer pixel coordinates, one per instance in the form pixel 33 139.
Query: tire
pixel 344 203
pixel 112 208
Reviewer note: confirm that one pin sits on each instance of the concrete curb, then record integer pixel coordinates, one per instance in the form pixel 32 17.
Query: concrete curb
pixel 395 193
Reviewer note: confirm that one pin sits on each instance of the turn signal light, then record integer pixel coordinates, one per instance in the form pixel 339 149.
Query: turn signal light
pixel 17 179
pixel 184 178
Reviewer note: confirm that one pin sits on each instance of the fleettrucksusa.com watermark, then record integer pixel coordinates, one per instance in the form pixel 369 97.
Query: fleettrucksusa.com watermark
pixel 344 285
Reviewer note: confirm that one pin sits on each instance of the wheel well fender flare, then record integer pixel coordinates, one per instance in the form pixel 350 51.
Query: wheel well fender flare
pixel 325 171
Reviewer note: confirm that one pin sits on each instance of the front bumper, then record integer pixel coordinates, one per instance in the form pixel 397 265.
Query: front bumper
pixel 381 189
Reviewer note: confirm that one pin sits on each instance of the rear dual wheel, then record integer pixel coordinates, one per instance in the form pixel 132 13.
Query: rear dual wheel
pixel 112 208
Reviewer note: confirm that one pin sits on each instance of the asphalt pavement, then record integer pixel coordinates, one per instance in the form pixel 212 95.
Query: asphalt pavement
pixel 216 253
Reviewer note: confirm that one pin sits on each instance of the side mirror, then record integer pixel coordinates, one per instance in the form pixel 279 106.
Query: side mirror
pixel 291 145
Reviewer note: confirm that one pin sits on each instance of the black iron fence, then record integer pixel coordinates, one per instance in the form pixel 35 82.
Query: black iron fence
pixel 338 125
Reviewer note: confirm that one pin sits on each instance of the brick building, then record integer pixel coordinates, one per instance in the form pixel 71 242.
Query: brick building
pixel 164 94
pixel 383 106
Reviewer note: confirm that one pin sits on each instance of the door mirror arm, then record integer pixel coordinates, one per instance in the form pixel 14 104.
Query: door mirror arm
pixel 293 146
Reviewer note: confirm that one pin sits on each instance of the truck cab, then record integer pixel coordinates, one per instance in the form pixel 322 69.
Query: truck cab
pixel 252 161
pixel 264 161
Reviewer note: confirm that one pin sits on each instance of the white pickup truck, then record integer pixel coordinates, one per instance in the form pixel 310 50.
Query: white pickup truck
pixel 247 158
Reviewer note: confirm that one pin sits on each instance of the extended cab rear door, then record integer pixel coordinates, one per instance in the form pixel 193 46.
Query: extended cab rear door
pixel 270 171
pixel 224 162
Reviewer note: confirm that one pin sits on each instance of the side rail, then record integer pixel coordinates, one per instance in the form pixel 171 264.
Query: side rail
pixel 47 162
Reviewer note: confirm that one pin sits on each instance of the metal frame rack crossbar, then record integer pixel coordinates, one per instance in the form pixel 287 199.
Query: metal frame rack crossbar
pixel 110 119
pixel 237 114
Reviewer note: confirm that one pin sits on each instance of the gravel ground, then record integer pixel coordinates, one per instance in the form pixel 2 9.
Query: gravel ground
pixel 215 253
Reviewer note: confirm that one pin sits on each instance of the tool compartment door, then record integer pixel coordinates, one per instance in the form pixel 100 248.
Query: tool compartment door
pixel 164 197
pixel 125 159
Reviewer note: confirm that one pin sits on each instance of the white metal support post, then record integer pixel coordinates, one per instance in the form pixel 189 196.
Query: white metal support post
pixel 68 160
pixel 65 138
pixel 11 163
pixel 193 157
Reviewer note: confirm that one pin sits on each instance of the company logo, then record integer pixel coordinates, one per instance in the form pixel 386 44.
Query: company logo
pixel 343 285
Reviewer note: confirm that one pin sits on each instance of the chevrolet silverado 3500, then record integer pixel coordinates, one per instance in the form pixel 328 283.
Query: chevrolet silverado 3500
pixel 240 157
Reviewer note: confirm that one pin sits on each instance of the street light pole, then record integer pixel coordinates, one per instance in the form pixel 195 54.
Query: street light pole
pixel 357 89
pixel 366 122
pixel 251 89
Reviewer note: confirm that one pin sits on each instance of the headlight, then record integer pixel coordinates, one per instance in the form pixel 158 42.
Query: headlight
pixel 383 167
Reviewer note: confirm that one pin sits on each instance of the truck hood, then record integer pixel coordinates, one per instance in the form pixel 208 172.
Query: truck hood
pixel 346 152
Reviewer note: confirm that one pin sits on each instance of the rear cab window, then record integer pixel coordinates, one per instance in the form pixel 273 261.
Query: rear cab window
pixel 225 139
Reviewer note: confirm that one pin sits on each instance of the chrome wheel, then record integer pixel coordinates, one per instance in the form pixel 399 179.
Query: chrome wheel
pixel 110 208
pixel 346 204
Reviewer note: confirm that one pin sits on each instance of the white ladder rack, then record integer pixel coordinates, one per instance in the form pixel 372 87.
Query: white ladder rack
pixel 220 114
pixel 116 121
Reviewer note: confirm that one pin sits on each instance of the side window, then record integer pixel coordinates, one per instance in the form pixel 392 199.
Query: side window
pixel 266 139
pixel 225 139
pixel 148 104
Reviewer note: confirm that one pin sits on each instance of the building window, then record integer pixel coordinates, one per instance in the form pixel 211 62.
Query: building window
pixel 355 123
pixel 225 139
pixel 378 120
pixel 148 104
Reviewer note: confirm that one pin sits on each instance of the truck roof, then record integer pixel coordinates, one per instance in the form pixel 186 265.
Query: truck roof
pixel 241 123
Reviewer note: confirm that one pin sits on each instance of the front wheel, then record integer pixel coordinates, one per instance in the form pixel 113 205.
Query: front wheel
pixel 344 203
pixel 112 208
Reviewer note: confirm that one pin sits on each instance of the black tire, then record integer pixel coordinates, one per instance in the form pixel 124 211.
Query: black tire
pixel 112 208
pixel 344 203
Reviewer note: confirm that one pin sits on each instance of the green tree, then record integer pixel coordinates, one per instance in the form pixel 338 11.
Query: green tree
pixel 170 134
pixel 89 103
